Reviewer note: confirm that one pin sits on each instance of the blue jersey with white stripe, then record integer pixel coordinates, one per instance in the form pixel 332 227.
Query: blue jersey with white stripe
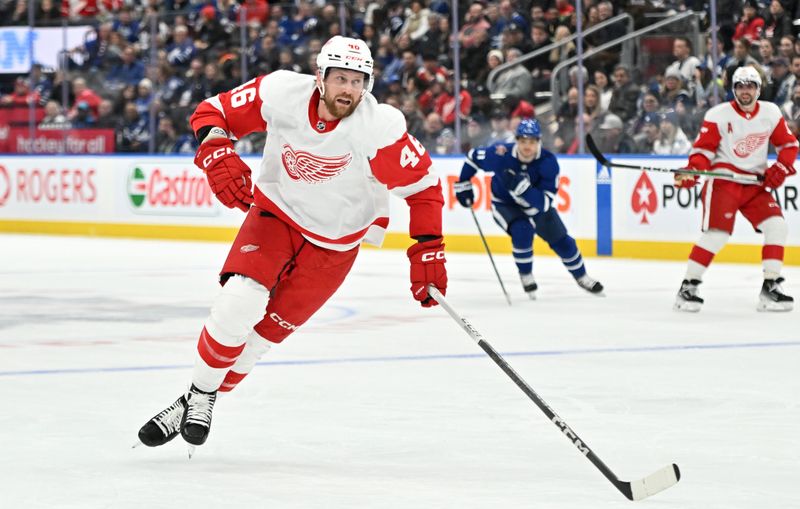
pixel 531 186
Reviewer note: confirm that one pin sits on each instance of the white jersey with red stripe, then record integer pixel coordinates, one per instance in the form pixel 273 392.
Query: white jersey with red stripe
pixel 734 141
pixel 329 180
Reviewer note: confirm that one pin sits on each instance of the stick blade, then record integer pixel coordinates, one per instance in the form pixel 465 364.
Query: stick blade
pixel 653 483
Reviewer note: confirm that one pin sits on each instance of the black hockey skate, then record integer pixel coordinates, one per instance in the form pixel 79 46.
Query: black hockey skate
pixel 164 426
pixel 529 285
pixel 687 299
pixel 589 284
pixel 196 422
pixel 772 297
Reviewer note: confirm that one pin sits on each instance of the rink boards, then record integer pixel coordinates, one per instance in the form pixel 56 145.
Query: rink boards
pixel 624 213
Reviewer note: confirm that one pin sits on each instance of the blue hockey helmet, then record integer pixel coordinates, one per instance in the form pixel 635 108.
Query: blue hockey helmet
pixel 529 128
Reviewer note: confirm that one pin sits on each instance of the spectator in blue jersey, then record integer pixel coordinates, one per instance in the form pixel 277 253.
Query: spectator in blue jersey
pixel 129 71
pixel 182 50
pixel 126 25
pixel 524 188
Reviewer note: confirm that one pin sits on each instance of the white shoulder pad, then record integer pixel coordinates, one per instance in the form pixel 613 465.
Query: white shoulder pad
pixel 281 84
pixel 386 124
pixel 770 108
pixel 719 112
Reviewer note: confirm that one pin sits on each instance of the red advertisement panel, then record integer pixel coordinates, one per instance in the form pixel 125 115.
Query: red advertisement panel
pixel 17 140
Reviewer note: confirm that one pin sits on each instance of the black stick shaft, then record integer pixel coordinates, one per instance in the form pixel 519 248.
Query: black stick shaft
pixel 582 447
pixel 595 151
pixel 573 437
pixel 491 259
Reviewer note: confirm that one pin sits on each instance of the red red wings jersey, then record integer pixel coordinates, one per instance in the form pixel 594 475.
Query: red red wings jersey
pixel 330 180
pixel 734 140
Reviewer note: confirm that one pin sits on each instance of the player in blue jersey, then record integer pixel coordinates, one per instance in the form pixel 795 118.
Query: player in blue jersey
pixel 524 187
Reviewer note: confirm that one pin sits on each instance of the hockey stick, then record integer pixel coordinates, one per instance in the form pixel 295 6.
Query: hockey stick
pixel 485 245
pixel 634 490
pixel 742 179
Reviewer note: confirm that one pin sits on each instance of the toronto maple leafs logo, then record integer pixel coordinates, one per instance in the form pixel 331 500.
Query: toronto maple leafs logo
pixel 749 144
pixel 311 168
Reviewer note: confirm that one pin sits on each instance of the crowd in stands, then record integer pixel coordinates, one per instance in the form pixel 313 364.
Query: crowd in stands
pixel 148 63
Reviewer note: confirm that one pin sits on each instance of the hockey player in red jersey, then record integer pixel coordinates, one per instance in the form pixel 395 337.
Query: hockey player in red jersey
pixel 734 138
pixel 331 158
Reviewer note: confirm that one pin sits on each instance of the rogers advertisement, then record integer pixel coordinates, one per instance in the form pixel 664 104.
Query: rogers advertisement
pixel 36 186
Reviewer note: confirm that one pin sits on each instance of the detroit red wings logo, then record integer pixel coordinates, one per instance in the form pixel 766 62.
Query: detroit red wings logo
pixel 311 168
pixel 749 144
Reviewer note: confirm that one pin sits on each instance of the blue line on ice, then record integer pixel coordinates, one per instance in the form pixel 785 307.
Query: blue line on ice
pixel 404 358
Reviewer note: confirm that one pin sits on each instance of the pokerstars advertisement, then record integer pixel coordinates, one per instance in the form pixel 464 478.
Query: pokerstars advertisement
pixel 646 206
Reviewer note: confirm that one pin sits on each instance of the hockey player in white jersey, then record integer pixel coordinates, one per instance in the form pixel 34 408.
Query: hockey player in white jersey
pixel 734 138
pixel 331 158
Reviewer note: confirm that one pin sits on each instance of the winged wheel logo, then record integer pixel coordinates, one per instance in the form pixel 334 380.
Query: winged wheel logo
pixel 311 168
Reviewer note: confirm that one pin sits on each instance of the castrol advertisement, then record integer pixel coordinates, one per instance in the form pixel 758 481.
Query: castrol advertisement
pixel 169 189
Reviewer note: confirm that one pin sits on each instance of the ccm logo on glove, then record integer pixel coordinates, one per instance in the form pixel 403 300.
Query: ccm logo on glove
pixel 427 268
pixel 227 175
pixel 429 257
pixel 220 152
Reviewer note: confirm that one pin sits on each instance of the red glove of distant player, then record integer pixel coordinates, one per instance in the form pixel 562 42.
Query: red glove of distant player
pixel 227 174
pixel 427 268
pixel 775 175
pixel 686 180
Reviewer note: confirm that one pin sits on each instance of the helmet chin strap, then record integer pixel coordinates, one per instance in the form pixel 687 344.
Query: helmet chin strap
pixel 320 84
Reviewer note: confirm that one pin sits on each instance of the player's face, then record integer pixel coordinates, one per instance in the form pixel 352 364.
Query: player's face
pixel 745 93
pixel 343 89
pixel 527 147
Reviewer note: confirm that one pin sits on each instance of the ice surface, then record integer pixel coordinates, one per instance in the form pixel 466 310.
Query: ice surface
pixel 377 403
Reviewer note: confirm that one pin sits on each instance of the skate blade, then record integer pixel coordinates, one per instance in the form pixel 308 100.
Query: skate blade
pixel 191 449
pixel 774 307
pixel 532 295
pixel 687 307
pixel 137 444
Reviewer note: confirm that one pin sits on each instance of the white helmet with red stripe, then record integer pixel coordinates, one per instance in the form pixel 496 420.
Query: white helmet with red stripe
pixel 345 53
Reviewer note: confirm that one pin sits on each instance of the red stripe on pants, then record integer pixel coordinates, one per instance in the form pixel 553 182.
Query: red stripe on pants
pixel 231 380
pixel 772 252
pixel 701 256
pixel 215 354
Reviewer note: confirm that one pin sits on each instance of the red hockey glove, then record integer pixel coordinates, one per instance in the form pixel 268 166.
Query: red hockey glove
pixel 227 174
pixel 427 268
pixel 775 175
pixel 686 180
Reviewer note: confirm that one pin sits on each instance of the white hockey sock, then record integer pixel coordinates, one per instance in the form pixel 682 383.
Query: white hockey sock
pixel 775 234
pixel 709 244
pixel 239 306
pixel 254 348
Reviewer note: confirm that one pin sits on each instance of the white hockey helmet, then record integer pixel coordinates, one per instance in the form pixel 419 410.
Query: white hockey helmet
pixel 746 74
pixel 345 53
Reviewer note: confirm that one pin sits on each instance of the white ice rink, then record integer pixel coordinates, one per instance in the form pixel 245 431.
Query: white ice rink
pixel 377 403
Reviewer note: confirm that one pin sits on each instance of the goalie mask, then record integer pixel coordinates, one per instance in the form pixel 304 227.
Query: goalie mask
pixel 746 75
pixel 345 53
